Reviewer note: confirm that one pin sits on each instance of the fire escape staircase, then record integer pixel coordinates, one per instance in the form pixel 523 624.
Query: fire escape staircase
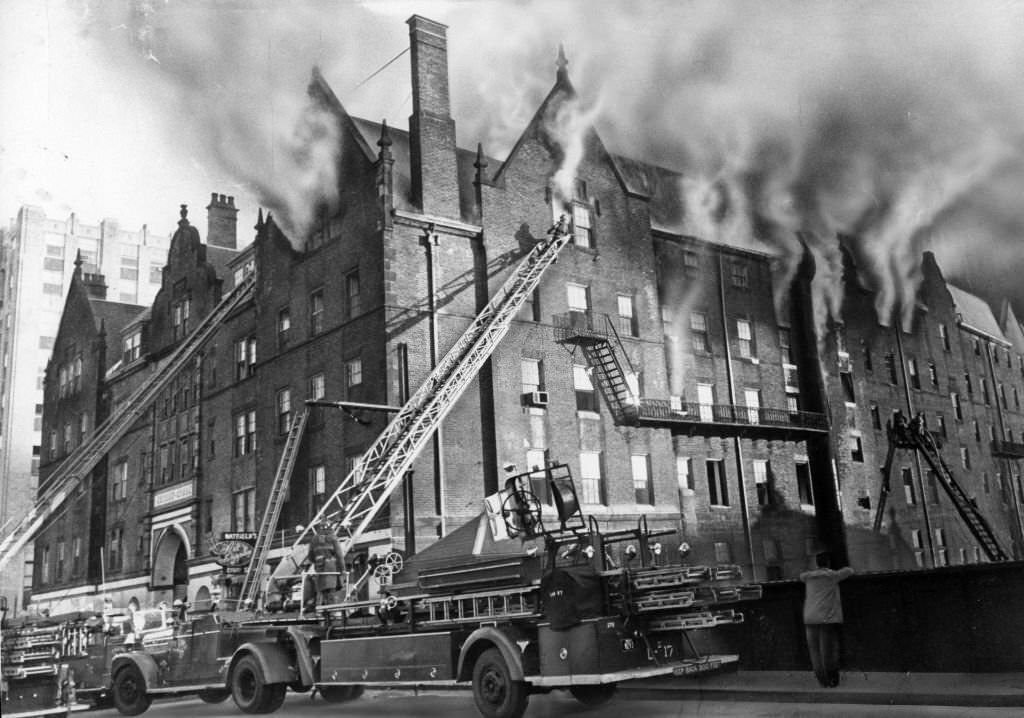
pixel 914 435
pixel 359 497
pixel 278 494
pixel 76 467
pixel 597 338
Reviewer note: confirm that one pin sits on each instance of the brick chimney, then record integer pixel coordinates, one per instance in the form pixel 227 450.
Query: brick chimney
pixel 222 220
pixel 435 178
pixel 95 284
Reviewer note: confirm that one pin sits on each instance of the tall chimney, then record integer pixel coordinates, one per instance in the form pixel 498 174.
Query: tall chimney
pixel 222 221
pixel 435 179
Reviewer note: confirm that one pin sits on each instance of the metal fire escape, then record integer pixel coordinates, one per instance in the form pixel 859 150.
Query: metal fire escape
pixel 914 435
pixel 598 340
pixel 358 499
pixel 76 467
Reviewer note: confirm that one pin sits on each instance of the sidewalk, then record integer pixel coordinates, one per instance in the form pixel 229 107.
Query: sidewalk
pixel 935 689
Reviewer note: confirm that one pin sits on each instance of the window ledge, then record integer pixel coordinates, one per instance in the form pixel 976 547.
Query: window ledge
pixel 582 414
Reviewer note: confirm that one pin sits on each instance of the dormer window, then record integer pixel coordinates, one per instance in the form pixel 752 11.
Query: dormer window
pixel 131 346
pixel 180 311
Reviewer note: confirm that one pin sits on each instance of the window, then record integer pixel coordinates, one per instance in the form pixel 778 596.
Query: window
pixel 944 337
pixel 59 573
pixel 582 225
pixel 76 555
pixel 762 480
pixel 316 312
pixel 156 273
pixel 977 430
pixel 532 310
pixel 718 489
pixel 983 383
pixel 532 376
pixel 699 331
pixel 958 410
pixel 68 445
pixel 890 365
pixel 738 275
pixel 803 483
pixel 245 358
pixel 52 289
pixel 985 485
pixel 941 557
pixel 684 473
pixel 752 398
pixel 317 487
pixel 116 553
pixel 933 374
pixel 846 378
pixel 586 397
pixel 284 410
pixel 965 457
pixel 915 378
pixel 578 296
pixel 977 348
pixel 591 481
pixel 44 568
pixel 284 327
pixel 353 372
pixel 315 389
pixel 131 347
pixel 245 432
pixel 723 552
pixel 1016 398
pixel 940 419
pixel 876 418
pixel 745 334
pixel 352 295
pixel 933 487
pixel 691 262
pixel 1002 396
pixel 868 362
pixel 180 310
pixel 642 489
pixel 786 347
pixel 119 482
pixel 856 449
pixel 908 486
pixel 243 510
pixel 918 544
pixel 627 316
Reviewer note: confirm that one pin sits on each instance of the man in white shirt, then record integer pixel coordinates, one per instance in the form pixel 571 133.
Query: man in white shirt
pixel 823 618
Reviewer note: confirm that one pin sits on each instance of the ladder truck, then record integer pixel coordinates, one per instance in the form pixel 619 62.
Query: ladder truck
pixel 914 435
pixel 39 656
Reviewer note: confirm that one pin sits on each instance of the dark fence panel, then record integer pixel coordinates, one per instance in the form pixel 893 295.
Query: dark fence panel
pixel 964 619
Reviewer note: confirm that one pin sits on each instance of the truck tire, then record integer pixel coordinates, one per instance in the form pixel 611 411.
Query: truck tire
pixel 496 694
pixel 593 695
pixel 129 691
pixel 214 695
pixel 251 692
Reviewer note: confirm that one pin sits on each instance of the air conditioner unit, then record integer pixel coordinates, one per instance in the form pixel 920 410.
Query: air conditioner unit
pixel 537 398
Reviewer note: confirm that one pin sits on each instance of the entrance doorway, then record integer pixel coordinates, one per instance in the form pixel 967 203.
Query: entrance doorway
pixel 170 566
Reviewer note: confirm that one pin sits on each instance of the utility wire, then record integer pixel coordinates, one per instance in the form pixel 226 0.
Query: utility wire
pixel 380 69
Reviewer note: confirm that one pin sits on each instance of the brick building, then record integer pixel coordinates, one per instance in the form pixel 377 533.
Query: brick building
pixel 726 425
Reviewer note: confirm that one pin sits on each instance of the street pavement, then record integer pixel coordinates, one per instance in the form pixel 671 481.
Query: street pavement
pixel 755 695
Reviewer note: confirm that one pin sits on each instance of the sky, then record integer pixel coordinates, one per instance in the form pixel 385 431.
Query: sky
pixel 896 123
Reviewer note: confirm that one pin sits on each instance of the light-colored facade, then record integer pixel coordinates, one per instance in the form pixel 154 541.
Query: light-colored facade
pixel 37 256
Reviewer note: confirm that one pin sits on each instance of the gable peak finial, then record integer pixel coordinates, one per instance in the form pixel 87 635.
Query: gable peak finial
pixel 385 135
pixel 562 64
pixel 481 159
pixel 259 218
pixel 183 222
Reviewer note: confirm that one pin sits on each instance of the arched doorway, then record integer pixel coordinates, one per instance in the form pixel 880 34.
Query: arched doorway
pixel 170 566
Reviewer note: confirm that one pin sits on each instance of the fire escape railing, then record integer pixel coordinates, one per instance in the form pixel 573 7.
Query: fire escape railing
pixel 598 337
pixel 1008 449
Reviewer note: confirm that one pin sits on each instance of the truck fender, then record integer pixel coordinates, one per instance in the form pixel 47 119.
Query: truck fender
pixel 145 663
pixel 303 657
pixel 481 639
pixel 272 659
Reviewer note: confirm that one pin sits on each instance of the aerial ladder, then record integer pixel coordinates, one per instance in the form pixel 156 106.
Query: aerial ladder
pixel 915 436
pixel 350 509
pixel 76 467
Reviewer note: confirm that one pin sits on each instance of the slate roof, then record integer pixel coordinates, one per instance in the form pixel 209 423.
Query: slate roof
pixel 976 313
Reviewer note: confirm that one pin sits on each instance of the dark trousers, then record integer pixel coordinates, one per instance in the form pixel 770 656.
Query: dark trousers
pixel 823 645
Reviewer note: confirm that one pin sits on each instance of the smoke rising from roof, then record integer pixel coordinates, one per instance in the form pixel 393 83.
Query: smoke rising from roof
pixel 895 124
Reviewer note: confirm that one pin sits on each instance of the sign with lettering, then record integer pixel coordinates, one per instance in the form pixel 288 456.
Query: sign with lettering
pixel 232 553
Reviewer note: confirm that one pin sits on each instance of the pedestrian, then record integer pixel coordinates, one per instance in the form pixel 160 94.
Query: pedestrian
pixel 823 617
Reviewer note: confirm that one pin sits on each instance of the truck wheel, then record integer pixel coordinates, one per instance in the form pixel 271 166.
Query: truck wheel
pixel 129 691
pixel 250 690
pixel 593 695
pixel 214 695
pixel 495 693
